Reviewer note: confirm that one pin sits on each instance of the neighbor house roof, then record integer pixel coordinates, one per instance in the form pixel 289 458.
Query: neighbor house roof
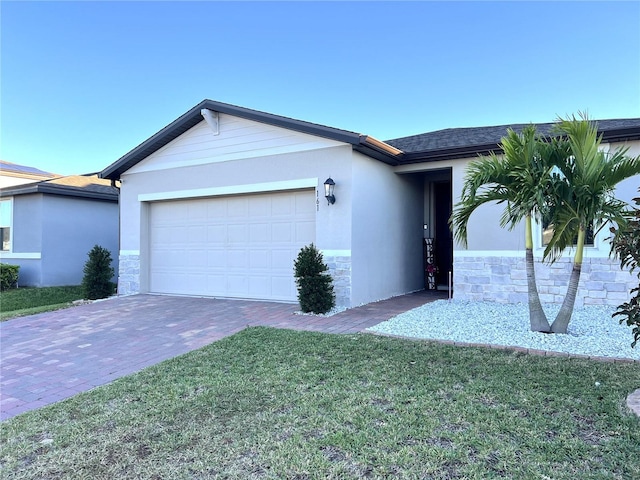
pixel 470 141
pixel 13 169
pixel 85 186
pixel 362 143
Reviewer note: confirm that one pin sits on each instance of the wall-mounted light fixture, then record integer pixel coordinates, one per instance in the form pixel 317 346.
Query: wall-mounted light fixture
pixel 329 185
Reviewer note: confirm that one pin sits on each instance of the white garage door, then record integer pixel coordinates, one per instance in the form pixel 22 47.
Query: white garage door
pixel 239 246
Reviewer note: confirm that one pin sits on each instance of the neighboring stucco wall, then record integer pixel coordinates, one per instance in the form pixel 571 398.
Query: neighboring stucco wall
pixel 26 242
pixel 387 231
pixel 71 227
pixel 53 234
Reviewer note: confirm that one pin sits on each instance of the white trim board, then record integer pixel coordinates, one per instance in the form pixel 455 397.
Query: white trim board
pixel 231 190
pixel 336 253
pixel 23 256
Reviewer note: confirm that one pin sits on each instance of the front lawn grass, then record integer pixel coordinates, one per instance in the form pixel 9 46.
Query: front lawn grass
pixel 268 403
pixel 29 300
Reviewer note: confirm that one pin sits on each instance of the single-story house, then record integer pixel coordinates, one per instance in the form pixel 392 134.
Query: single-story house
pixel 220 201
pixel 49 227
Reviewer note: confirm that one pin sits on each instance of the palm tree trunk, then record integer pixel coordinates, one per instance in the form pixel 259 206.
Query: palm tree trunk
pixel 537 319
pixel 561 322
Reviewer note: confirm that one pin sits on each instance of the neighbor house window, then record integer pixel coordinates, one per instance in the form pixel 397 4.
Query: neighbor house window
pixel 5 224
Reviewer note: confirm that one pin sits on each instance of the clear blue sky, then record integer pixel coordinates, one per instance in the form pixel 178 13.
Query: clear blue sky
pixel 82 83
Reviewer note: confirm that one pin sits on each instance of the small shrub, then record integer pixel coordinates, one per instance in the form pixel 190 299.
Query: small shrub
pixel 98 272
pixel 315 286
pixel 8 276
pixel 626 246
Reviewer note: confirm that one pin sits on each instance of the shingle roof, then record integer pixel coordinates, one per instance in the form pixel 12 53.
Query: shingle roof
pixel 432 146
pixel 72 186
pixel 480 139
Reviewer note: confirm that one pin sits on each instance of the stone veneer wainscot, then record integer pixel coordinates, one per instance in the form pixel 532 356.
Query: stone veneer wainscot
pixel 504 280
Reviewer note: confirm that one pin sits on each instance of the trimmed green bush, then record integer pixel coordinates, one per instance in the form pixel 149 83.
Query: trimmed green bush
pixel 8 276
pixel 98 272
pixel 315 286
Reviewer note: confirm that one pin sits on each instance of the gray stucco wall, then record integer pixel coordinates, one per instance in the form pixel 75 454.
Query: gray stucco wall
pixel 27 238
pixel 27 223
pixel 387 231
pixel 71 227
pixel 333 226
pixel 371 237
pixel 60 231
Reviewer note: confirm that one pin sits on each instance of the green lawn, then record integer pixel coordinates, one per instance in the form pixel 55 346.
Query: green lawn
pixel 27 300
pixel 268 403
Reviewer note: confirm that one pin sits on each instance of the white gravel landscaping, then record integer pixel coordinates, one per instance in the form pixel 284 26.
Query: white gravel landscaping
pixel 592 331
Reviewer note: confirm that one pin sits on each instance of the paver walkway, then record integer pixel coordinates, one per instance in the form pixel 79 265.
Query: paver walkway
pixel 51 356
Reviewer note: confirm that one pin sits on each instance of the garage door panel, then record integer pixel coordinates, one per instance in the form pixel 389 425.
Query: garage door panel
pixel 216 258
pixel 237 234
pixel 260 232
pixel 237 246
pixel 282 258
pixel 238 285
pixel 260 286
pixel 280 286
pixel 216 210
pixel 216 282
pixel 237 259
pixel 216 234
pixel 281 232
pixel 237 207
pixel 259 259
pixel 283 206
pixel 197 212
pixel 258 207
pixel 195 258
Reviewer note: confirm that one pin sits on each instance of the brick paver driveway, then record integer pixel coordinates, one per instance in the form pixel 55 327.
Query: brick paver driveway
pixel 52 356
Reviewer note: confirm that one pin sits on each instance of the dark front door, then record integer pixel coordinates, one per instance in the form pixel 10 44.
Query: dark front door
pixel 443 235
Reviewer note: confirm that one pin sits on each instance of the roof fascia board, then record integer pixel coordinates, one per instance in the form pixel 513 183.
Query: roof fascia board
pixel 450 153
pixel 621 134
pixel 18 190
pixel 75 192
pixel 284 122
pixel 376 154
pixel 60 190
pixel 193 117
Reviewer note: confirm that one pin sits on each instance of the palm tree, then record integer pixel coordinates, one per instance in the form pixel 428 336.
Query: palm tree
pixel 519 178
pixel 581 197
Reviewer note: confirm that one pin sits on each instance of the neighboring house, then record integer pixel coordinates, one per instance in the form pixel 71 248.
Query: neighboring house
pixel 49 227
pixel 220 201
pixel 12 174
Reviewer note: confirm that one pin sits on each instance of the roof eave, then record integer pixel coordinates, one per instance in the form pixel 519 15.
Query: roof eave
pixel 193 117
pixel 49 189
pixel 621 135
pixel 450 153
